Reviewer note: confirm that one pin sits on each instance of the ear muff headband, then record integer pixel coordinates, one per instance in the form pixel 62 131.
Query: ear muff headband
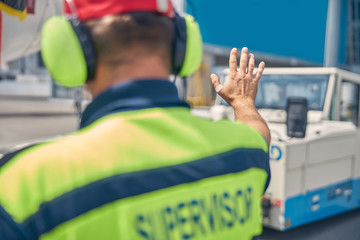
pixel 187 49
pixel 194 51
pixel 66 52
pixel 87 46
pixel 179 44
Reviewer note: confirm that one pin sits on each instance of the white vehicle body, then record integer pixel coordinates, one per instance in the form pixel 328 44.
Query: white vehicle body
pixel 319 175
pixel 21 38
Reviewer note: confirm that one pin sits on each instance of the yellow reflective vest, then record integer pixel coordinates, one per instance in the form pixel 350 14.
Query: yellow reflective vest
pixel 141 167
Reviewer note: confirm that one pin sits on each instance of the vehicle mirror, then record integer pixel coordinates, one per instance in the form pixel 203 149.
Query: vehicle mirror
pixel 296 119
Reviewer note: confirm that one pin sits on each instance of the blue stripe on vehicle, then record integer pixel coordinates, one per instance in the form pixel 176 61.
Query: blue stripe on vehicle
pixel 96 194
pixel 322 203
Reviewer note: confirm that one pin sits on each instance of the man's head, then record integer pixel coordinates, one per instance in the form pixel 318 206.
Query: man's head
pixel 121 39
pixel 128 40
pixel 130 46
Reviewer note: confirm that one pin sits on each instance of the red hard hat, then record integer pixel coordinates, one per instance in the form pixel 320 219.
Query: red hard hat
pixel 92 9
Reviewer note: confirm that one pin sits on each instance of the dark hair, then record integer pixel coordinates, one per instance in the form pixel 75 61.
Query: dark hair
pixel 145 33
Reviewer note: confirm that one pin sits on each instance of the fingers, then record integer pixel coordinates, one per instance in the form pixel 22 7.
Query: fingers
pixel 243 60
pixel 251 66
pixel 233 62
pixel 244 63
pixel 260 71
pixel 216 82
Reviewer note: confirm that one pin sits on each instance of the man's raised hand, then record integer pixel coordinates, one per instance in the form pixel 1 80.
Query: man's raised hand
pixel 242 84
pixel 241 88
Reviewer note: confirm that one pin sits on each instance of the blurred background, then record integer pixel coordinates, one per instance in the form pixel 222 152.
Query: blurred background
pixel 283 33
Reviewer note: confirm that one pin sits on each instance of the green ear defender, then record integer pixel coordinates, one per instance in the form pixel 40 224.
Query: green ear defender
pixel 193 51
pixel 69 55
pixel 67 51
pixel 187 49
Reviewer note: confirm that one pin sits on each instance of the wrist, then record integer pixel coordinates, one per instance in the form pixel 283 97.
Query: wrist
pixel 243 103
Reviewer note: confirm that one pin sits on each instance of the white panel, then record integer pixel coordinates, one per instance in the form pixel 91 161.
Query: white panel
pixel 22 38
pixel 357 155
pixel 331 148
pixel 294 182
pixel 277 182
pixel 295 155
pixel 327 173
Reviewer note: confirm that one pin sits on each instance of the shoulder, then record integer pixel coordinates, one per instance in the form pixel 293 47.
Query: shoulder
pixel 55 150
pixel 15 152
pixel 40 169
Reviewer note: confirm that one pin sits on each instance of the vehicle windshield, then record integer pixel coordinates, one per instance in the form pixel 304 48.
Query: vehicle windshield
pixel 274 90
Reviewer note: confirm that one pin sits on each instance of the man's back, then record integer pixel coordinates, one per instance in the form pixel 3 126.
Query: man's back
pixel 151 173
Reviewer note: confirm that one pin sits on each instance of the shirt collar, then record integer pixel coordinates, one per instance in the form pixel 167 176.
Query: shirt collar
pixel 133 95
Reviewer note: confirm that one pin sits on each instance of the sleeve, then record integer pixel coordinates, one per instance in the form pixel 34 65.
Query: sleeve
pixel 267 168
pixel 267 165
pixel 9 229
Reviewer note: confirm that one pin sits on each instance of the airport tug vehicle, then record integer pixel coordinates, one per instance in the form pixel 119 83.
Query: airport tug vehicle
pixel 314 116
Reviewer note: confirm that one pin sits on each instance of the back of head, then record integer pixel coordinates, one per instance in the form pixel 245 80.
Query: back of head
pixel 123 38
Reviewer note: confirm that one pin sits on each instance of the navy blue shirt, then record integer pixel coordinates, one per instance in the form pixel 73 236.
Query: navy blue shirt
pixel 134 95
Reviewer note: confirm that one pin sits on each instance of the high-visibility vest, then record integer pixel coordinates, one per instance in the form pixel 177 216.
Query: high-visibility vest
pixel 156 174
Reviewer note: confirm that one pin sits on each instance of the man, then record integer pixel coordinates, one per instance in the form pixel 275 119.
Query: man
pixel 141 166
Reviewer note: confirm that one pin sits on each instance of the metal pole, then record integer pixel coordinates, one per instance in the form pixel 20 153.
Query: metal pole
pixel 350 46
pixel 355 31
pixel 332 34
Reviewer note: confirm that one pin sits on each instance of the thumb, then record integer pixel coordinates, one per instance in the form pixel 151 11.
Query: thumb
pixel 216 82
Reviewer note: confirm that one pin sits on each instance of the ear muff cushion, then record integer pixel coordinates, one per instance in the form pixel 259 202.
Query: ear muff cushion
pixel 62 53
pixel 194 51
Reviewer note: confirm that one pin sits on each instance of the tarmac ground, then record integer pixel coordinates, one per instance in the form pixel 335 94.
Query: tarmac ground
pixel 345 226
pixel 26 119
